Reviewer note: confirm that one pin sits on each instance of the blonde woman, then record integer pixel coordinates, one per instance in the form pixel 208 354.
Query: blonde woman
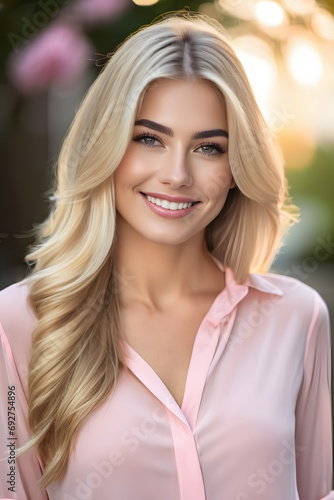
pixel 149 355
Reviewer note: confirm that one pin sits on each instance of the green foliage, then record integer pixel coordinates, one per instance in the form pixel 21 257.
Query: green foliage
pixel 316 183
pixel 317 180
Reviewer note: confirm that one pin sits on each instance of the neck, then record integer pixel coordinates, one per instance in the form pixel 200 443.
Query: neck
pixel 160 274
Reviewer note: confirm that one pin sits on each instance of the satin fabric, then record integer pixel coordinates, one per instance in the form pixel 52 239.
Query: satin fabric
pixel 254 424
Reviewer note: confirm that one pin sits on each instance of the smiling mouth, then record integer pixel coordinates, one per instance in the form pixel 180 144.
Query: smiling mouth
pixel 169 205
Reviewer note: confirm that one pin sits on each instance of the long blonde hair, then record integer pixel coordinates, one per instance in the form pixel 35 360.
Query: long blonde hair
pixel 76 349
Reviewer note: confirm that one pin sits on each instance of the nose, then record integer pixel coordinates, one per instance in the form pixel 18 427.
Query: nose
pixel 175 170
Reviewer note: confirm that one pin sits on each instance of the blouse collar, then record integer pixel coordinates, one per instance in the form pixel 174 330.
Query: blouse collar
pixel 234 292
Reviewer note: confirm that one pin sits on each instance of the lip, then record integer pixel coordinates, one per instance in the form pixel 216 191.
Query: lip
pixel 169 197
pixel 165 212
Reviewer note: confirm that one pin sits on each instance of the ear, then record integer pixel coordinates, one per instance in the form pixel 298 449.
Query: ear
pixel 233 184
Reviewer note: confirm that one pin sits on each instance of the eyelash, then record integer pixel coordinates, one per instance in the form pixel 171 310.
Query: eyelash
pixel 142 136
pixel 218 147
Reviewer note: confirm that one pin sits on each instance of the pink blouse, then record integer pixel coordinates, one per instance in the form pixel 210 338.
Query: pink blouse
pixel 255 422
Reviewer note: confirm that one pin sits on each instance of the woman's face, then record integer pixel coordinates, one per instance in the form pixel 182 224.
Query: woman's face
pixel 175 176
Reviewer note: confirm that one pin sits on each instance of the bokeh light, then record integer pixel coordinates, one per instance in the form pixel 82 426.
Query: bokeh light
pixel 259 63
pixel 285 46
pixel 145 2
pixel 269 13
pixel 304 61
pixel 238 8
pixel 301 7
pixel 298 145
pixel 323 24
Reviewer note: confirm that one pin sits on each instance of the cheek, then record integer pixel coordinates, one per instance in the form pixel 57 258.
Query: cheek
pixel 124 173
pixel 132 170
pixel 216 185
pixel 124 166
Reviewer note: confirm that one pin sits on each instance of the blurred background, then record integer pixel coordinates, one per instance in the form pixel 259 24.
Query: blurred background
pixel 52 50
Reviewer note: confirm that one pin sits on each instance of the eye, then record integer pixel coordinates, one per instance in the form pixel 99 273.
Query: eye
pixel 147 140
pixel 211 149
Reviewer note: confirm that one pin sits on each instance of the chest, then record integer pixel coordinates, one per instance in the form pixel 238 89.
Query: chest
pixel 165 341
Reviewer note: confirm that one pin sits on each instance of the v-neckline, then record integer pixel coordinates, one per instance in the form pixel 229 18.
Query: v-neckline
pixel 204 347
pixel 200 360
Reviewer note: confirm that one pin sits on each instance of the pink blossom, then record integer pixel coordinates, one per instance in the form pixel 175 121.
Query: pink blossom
pixel 57 56
pixel 95 11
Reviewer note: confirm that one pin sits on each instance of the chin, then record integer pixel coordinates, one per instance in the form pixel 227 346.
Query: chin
pixel 167 239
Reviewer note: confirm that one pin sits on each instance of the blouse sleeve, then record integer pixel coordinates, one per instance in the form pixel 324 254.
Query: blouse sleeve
pixel 18 475
pixel 313 435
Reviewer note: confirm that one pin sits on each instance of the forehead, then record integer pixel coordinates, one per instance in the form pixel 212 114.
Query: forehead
pixel 170 102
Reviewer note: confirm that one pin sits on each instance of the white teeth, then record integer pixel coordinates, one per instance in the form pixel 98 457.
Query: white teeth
pixel 170 205
pixel 165 204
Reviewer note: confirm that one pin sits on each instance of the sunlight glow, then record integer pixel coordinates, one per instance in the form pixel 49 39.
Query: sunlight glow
pixel 269 13
pixel 304 62
pixel 239 8
pixel 323 24
pixel 298 145
pixel 258 61
pixel 145 2
pixel 301 7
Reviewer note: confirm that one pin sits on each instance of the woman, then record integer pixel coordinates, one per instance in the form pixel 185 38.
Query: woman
pixel 159 367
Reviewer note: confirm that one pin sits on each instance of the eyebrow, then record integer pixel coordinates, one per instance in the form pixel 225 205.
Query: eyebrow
pixel 217 132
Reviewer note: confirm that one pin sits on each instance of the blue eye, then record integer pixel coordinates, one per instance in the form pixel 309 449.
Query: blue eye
pixel 147 140
pixel 211 149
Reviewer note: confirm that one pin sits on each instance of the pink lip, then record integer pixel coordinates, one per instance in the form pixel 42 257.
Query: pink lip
pixel 168 197
pixel 165 212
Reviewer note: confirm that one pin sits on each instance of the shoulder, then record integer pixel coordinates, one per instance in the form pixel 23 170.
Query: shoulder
pixel 16 316
pixel 292 297
pixel 292 288
pixel 17 321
